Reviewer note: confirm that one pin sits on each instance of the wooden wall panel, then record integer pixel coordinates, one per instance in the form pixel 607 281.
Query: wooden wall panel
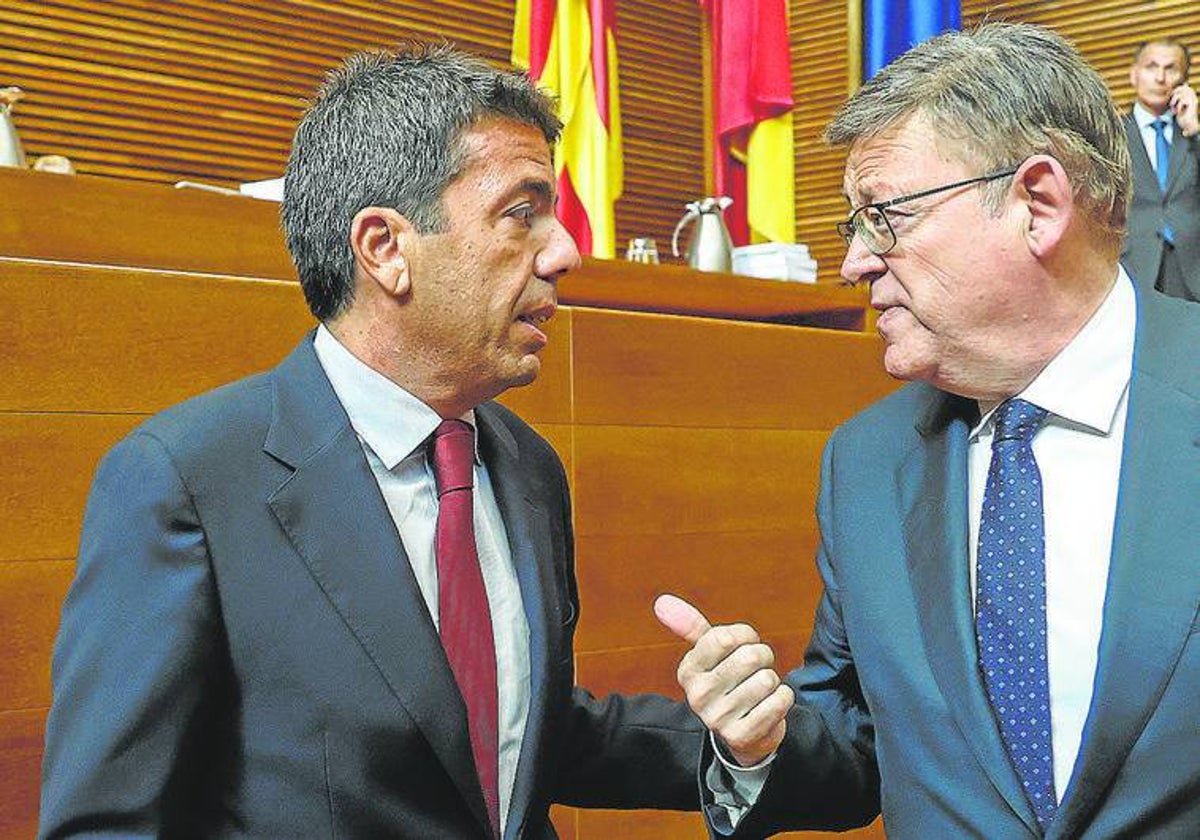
pixel 128 341
pixel 767 578
pixel 48 463
pixel 641 369
pixel 21 771
pixel 210 90
pixel 633 480
pixel 31 592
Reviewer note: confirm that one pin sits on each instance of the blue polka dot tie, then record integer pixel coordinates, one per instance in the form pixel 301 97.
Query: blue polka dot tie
pixel 1010 604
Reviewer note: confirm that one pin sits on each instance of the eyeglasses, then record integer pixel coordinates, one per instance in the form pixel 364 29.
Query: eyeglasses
pixel 871 224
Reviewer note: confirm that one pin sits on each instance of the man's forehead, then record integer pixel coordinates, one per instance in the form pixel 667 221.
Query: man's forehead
pixel 1158 52
pixel 877 164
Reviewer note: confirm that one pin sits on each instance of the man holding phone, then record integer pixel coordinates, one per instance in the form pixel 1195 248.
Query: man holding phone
pixel 1162 247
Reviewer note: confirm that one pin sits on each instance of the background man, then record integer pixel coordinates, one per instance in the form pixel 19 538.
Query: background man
pixel 278 628
pixel 1007 645
pixel 1162 248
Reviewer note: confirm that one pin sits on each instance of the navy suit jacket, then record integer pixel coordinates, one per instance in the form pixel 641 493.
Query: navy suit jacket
pixel 890 690
pixel 245 651
pixel 1152 209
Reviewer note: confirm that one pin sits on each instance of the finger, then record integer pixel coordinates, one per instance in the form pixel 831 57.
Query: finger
pixel 726 710
pixel 681 618
pixel 760 731
pixel 715 647
pixel 743 664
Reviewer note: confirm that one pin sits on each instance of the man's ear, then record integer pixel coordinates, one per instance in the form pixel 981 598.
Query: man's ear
pixel 1045 191
pixel 382 241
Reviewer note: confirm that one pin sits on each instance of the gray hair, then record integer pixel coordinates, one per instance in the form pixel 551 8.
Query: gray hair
pixel 997 95
pixel 385 130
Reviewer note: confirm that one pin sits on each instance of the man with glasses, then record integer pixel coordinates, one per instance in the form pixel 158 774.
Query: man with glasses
pixel 1008 644
pixel 1162 248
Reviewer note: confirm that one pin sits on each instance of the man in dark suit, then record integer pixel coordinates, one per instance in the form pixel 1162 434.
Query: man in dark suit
pixel 1008 644
pixel 1162 246
pixel 338 599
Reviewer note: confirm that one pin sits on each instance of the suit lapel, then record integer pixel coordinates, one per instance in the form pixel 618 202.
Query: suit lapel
pixel 1143 169
pixel 1179 153
pixel 1153 585
pixel 527 525
pixel 932 482
pixel 337 520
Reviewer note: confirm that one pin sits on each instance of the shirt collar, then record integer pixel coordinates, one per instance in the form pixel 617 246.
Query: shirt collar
pixel 1084 383
pixel 393 422
pixel 1144 118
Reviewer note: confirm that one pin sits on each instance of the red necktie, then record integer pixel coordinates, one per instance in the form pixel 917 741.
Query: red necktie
pixel 464 618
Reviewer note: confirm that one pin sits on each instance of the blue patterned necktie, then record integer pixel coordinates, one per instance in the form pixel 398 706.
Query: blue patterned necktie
pixel 1162 154
pixel 1010 605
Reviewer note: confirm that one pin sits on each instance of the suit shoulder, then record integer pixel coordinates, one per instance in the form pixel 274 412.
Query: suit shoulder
pixel 1168 335
pixel 882 426
pixel 215 418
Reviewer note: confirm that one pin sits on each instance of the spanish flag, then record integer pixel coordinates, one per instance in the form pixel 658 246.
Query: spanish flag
pixel 752 99
pixel 569 49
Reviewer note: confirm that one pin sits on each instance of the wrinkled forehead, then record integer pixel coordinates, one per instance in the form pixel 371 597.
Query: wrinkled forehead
pixel 890 160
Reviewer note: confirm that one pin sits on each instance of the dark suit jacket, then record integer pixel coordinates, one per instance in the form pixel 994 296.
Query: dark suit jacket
pixel 890 688
pixel 245 652
pixel 1151 210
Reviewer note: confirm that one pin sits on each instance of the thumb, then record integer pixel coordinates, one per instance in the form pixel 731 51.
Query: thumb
pixel 681 618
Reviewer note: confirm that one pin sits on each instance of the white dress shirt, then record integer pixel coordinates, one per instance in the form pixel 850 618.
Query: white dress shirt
pixel 1145 123
pixel 1085 389
pixel 393 427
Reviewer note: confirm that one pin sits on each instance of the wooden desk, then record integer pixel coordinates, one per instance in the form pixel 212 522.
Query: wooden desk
pixel 105 221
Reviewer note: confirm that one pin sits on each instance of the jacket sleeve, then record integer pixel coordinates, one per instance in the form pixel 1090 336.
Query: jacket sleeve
pixel 134 684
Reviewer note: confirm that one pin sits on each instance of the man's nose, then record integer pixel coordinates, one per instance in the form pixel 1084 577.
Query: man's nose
pixel 559 255
pixel 860 265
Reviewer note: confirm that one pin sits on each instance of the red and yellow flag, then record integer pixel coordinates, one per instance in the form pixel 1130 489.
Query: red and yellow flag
pixel 569 49
pixel 752 99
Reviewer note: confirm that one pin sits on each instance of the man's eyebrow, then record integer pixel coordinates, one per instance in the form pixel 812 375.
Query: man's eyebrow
pixel 537 187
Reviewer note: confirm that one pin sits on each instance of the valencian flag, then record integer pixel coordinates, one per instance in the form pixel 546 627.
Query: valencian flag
pixel 569 50
pixel 752 99
pixel 891 27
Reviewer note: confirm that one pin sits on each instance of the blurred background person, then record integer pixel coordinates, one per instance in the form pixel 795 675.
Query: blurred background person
pixel 1162 246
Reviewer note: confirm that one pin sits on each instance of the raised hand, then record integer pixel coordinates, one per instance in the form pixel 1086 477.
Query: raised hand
pixel 1183 103
pixel 729 680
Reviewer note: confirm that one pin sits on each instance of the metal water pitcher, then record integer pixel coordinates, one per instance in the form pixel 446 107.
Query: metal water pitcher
pixel 711 249
pixel 11 153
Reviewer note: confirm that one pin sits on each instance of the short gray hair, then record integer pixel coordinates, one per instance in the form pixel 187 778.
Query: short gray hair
pixel 997 95
pixel 385 130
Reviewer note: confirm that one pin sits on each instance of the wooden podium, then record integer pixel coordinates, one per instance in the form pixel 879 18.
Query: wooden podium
pixel 689 409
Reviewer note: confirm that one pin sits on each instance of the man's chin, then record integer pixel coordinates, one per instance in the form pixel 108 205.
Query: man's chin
pixel 525 373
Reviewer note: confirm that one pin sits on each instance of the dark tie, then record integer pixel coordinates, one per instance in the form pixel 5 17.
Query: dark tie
pixel 464 618
pixel 1162 154
pixel 1010 605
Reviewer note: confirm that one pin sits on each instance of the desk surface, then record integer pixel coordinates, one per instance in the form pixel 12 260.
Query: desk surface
pixel 107 221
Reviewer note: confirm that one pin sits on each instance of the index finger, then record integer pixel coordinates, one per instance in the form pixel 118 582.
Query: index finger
pixel 681 618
